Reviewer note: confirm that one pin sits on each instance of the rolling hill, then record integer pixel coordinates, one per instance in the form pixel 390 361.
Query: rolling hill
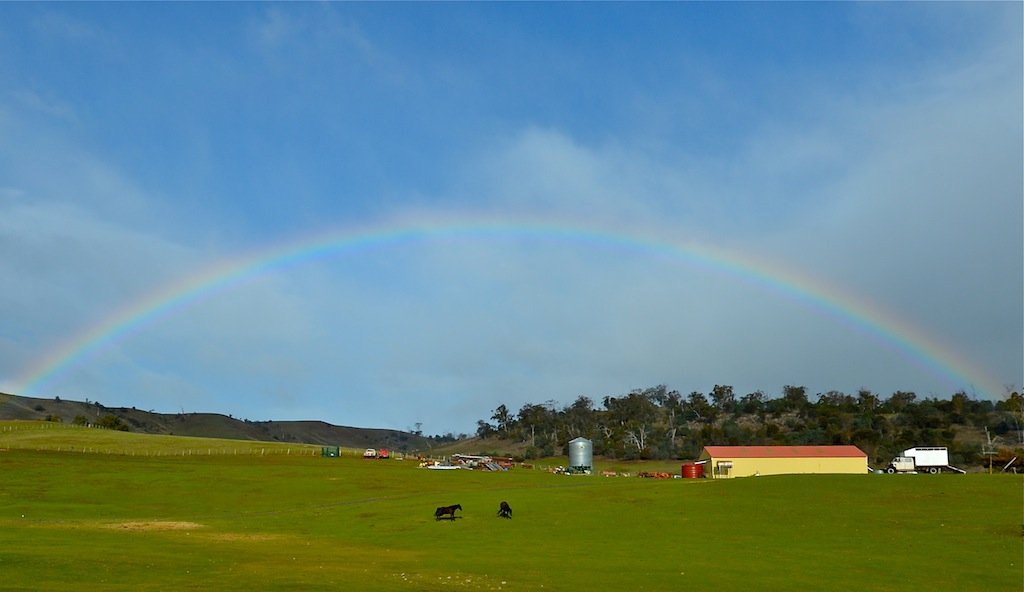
pixel 211 425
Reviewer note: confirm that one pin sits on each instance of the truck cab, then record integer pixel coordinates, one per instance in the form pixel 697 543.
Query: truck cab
pixel 901 464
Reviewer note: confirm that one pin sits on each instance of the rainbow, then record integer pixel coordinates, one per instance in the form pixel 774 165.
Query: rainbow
pixel 908 341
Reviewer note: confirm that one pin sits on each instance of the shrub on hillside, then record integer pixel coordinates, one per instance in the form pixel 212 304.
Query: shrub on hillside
pixel 112 422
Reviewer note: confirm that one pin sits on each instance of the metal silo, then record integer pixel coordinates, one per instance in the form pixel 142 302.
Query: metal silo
pixel 581 456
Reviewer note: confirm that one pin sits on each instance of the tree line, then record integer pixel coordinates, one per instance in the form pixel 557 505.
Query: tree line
pixel 659 423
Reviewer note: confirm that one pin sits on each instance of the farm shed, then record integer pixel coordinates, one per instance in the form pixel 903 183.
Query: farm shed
pixel 745 461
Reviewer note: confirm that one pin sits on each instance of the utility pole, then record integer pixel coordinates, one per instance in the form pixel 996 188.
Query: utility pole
pixel 989 450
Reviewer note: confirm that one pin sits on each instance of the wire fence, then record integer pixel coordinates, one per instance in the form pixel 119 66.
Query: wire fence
pixel 165 451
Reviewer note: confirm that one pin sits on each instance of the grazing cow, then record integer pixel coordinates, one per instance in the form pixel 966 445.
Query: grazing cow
pixel 505 511
pixel 446 511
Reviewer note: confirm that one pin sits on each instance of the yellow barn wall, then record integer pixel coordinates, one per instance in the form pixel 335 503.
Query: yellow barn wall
pixel 746 467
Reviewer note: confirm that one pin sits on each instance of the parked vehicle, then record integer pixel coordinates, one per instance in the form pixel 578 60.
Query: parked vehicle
pixel 931 459
pixel 374 453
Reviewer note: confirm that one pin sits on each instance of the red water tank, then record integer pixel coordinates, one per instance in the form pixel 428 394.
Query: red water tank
pixel 692 470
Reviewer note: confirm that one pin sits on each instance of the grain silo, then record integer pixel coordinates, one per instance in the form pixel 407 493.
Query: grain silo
pixel 581 456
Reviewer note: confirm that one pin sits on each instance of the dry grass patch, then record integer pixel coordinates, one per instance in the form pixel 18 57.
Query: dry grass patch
pixel 154 525
pixel 245 537
pixel 169 525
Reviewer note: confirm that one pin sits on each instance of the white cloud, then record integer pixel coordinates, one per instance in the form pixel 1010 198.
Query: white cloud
pixel 60 26
pixel 55 108
pixel 910 201
pixel 314 38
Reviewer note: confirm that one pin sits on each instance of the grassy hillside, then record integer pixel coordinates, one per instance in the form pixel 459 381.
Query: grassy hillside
pixel 276 522
pixel 209 425
pixel 55 437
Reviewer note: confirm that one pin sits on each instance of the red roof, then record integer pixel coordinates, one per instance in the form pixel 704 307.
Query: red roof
pixel 784 452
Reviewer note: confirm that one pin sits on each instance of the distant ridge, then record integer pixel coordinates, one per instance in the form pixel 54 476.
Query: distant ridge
pixel 211 425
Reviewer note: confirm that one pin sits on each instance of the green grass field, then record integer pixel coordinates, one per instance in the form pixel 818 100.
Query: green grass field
pixel 110 520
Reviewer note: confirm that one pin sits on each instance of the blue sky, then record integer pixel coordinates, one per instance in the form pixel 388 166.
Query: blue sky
pixel 873 148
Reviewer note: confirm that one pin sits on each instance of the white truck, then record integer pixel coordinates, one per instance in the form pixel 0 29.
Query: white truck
pixel 931 459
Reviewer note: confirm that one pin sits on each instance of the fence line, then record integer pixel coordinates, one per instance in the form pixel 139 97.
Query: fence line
pixel 45 425
pixel 166 452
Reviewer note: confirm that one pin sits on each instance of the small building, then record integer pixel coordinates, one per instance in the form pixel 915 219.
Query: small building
pixel 746 461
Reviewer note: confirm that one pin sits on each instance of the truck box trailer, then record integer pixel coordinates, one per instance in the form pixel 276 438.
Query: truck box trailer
pixel 931 459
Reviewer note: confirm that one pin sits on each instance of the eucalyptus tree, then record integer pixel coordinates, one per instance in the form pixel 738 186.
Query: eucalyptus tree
pixel 723 398
pixel 503 418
